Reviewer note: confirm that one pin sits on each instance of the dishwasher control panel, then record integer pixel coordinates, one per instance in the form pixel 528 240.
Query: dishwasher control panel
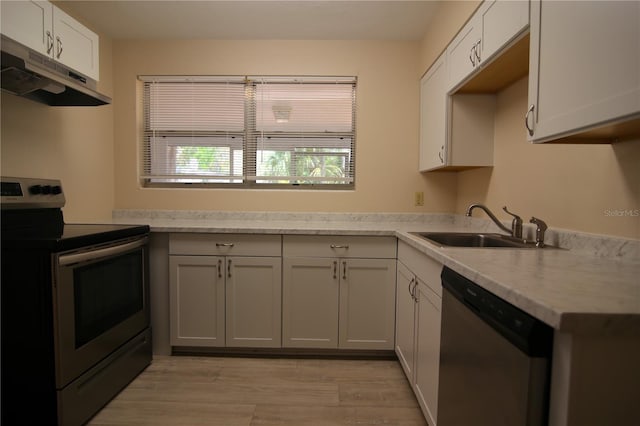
pixel 526 332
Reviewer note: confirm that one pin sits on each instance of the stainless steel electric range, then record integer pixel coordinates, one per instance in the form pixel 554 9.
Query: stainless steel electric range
pixel 75 308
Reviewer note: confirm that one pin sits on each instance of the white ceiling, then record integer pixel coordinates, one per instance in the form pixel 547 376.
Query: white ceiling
pixel 247 20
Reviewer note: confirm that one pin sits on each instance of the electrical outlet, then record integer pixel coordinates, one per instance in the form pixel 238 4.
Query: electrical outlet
pixel 419 198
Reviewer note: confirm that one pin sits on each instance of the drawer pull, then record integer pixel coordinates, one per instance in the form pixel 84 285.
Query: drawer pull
pixel 335 246
pixel 224 244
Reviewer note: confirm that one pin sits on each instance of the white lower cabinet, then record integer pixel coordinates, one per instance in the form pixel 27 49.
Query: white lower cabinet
pixel 310 303
pixel 196 301
pixel 222 300
pixel 405 320
pixel 427 358
pixel 338 292
pixel 418 317
pixel 253 302
pixel 367 308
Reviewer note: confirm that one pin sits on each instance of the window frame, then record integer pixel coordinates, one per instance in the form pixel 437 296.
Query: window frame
pixel 249 141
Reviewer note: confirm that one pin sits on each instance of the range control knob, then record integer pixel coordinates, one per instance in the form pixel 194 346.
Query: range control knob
pixel 46 189
pixel 56 189
pixel 35 189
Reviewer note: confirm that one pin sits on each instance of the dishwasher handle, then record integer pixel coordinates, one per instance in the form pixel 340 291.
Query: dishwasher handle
pixel 530 335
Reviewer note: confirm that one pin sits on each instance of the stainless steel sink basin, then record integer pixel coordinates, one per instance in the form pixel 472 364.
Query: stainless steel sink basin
pixel 472 239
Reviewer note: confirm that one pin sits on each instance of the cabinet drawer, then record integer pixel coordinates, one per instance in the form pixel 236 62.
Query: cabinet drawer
pixel 224 244
pixel 339 246
pixel 427 269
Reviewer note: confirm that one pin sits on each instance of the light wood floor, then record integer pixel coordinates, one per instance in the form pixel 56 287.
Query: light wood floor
pixel 263 392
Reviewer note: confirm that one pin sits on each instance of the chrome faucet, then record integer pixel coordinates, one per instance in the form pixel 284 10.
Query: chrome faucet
pixel 516 223
pixel 540 228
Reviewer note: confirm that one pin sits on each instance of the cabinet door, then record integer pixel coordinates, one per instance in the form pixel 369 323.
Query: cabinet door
pixel 29 23
pixel 433 116
pixel 196 302
pixel 428 318
pixel 502 21
pixel 253 294
pixel 405 319
pixel 310 302
pixel 464 53
pixel 367 303
pixel 584 66
pixel 75 45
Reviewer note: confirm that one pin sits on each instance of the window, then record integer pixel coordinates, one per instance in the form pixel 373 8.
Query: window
pixel 252 132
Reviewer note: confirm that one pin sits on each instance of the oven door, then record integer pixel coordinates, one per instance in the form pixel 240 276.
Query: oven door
pixel 101 300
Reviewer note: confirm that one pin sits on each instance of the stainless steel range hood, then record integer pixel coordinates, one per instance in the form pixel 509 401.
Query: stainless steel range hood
pixel 32 75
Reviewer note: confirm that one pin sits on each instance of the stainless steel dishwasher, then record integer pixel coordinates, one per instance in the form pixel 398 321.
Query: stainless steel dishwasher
pixel 494 359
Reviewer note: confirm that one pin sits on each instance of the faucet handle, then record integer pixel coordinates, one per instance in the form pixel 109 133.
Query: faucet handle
pixel 516 224
pixel 541 226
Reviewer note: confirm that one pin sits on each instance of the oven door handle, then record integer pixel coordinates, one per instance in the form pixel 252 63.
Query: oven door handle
pixel 69 259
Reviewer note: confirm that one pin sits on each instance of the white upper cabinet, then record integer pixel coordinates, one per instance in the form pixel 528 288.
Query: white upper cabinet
pixel 30 23
pixel 584 70
pixel 75 45
pixel 464 53
pixel 51 32
pixel 502 21
pixel 456 132
pixel 457 93
pixel 433 116
pixel 492 27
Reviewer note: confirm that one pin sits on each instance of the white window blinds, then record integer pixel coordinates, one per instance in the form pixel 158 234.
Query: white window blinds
pixel 251 131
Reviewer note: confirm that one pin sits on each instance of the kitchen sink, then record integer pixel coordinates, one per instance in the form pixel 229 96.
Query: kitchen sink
pixel 473 239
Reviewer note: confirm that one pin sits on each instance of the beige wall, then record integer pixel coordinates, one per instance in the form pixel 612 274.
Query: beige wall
pixel 73 144
pixel 578 187
pixel 95 150
pixel 387 122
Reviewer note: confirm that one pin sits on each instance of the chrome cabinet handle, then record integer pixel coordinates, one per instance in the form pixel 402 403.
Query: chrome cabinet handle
pixel 219 268
pixel 335 269
pixel 344 270
pixel 335 246
pixel 440 154
pixel 410 291
pixel 414 281
pixel 526 119
pixel 225 244
pixel 49 42
pixel 59 43
pixel 474 54
pixel 229 268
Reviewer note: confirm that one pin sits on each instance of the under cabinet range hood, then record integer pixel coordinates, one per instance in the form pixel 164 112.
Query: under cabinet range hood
pixel 32 75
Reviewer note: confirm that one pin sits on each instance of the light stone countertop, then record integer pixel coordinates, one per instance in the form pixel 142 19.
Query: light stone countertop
pixel 591 287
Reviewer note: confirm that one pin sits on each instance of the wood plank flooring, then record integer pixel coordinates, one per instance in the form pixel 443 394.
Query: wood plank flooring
pixel 231 391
